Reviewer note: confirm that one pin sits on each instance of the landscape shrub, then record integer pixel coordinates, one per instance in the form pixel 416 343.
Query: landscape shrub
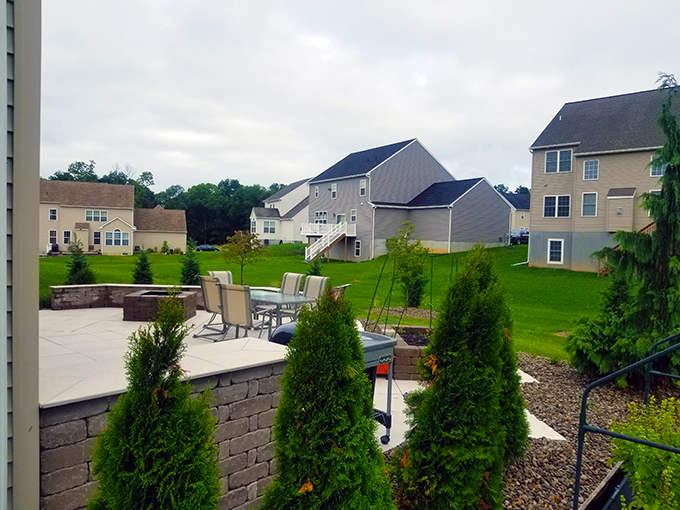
pixel 314 268
pixel 165 249
pixel 157 450
pixel 191 269
pixel 653 472
pixel 142 274
pixel 454 453
pixel 410 264
pixel 79 271
pixel 177 251
pixel 326 454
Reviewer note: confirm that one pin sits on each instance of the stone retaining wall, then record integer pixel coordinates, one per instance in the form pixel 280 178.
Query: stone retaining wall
pixel 68 297
pixel 245 406
pixel 406 360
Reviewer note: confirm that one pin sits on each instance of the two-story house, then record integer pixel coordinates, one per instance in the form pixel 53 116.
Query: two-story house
pixel 104 218
pixel 363 199
pixel 590 166
pixel 281 218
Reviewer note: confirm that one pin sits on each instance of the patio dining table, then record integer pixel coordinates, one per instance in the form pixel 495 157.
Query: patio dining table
pixel 278 300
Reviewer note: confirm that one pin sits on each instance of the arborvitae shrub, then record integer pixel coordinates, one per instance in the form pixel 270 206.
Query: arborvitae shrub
pixel 79 271
pixel 158 450
pixel 165 249
pixel 454 453
pixel 191 269
pixel 142 274
pixel 326 453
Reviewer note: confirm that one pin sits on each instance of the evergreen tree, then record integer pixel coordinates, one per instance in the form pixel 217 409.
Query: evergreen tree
pixel 79 271
pixel 158 450
pixel 314 268
pixel 191 269
pixel 326 452
pixel 142 274
pixel 454 453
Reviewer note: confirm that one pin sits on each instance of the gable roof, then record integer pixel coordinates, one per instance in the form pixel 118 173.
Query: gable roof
pixel 161 220
pixel 360 163
pixel 285 190
pixel 519 201
pixel 615 123
pixel 299 207
pixel 266 212
pixel 87 194
pixel 444 193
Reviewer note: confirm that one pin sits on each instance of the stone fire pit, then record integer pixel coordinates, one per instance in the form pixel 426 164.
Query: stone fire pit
pixel 143 305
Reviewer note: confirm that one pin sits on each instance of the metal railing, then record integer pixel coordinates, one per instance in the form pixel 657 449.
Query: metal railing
pixel 332 234
pixel 583 425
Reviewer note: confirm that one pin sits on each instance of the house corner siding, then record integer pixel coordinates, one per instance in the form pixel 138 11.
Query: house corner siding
pixel 21 118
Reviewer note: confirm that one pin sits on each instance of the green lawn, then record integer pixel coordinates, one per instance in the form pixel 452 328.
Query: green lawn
pixel 544 301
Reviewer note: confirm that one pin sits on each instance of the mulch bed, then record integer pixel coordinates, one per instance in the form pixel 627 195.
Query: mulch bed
pixel 544 479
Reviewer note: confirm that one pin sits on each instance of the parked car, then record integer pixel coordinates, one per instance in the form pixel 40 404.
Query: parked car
pixel 519 236
pixel 207 247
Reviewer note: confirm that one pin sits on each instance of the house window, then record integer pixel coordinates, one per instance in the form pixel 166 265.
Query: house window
pixel 253 226
pixel 53 237
pixel 96 237
pixel 357 248
pixel 334 191
pixel 558 161
pixel 555 251
pixel 108 238
pixel 53 214
pixel 117 237
pixel 657 170
pixel 126 238
pixel 362 188
pixel 589 206
pixel 521 215
pixel 67 237
pixel 556 206
pixel 591 170
pixel 316 192
pixel 321 217
pixel 340 219
pixel 96 216
pixel 353 215
pixel 269 227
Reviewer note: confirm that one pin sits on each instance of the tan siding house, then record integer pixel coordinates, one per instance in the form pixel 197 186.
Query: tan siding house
pixel 20 119
pixel 154 226
pixel 590 167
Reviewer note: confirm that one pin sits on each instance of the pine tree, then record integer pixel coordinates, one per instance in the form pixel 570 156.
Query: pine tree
pixel 79 271
pixel 142 274
pixel 454 453
pixel 158 450
pixel 191 269
pixel 326 452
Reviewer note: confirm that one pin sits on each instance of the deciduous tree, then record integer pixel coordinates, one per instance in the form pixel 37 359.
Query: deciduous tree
pixel 244 248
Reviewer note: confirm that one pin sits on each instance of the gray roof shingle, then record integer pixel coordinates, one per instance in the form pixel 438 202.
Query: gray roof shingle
pixel 160 220
pixel 443 193
pixel 266 212
pixel 621 192
pixel 628 121
pixel 286 189
pixel 360 163
pixel 521 202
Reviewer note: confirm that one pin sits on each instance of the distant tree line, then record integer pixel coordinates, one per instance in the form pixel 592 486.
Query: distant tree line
pixel 213 211
pixel 521 190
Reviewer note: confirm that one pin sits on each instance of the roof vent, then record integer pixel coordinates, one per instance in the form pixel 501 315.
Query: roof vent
pixel 560 119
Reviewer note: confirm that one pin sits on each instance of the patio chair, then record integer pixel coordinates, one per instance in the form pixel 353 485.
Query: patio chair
pixel 339 291
pixel 314 287
pixel 237 310
pixel 222 276
pixel 211 301
pixel 290 284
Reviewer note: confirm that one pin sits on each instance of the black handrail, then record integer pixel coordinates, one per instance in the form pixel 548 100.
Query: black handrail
pixel 583 426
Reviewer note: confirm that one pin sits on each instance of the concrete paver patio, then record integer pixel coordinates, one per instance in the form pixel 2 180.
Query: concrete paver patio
pixel 82 356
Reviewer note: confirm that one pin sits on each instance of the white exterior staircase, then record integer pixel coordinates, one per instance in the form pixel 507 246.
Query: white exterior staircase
pixel 330 235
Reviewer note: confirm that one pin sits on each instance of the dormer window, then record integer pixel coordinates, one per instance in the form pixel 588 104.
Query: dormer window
pixel 334 191
pixel 362 188
pixel 558 161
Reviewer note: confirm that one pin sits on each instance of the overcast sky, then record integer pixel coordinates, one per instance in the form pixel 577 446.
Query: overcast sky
pixel 276 91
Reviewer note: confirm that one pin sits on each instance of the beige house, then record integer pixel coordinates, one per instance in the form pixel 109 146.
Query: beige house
pixel 521 210
pixel 104 219
pixel 590 166
pixel 20 151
